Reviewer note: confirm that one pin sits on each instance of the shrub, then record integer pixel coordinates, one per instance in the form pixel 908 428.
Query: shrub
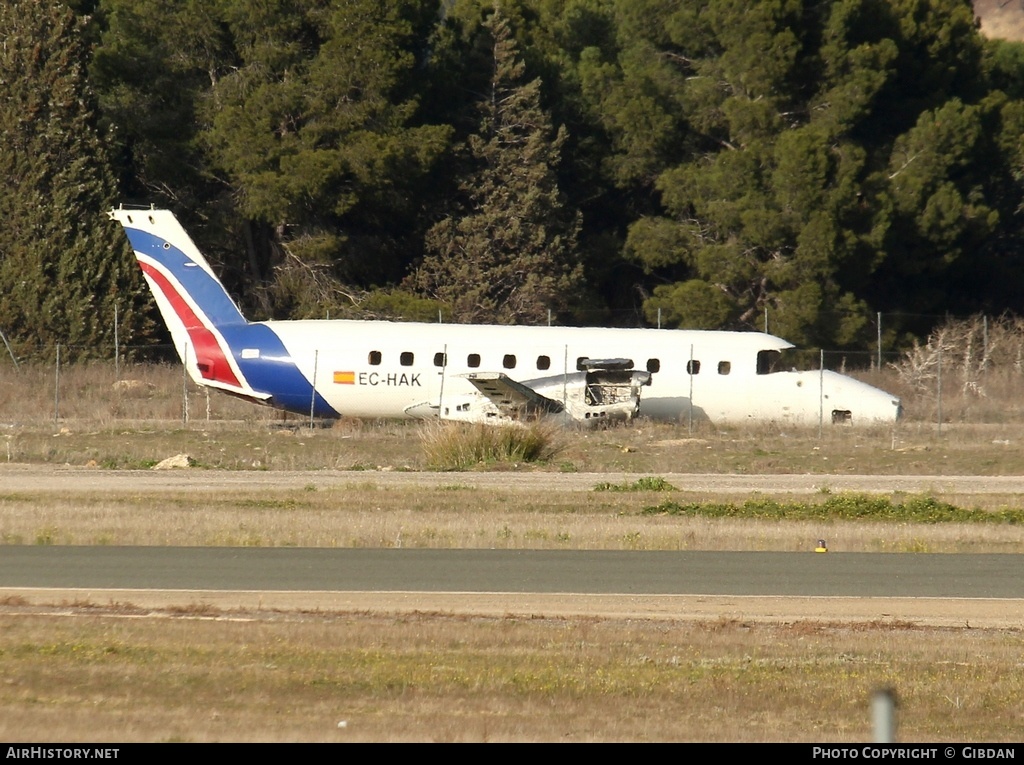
pixel 459 446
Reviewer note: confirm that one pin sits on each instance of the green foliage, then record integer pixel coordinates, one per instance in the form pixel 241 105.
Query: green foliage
pixel 508 255
pixel 694 304
pixel 64 269
pixel 647 483
pixel 843 507
pixel 398 304
pixel 314 122
pixel 818 161
pixel 823 157
pixel 294 125
pixel 153 64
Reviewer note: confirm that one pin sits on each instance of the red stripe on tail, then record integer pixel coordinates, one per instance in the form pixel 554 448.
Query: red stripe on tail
pixel 213 364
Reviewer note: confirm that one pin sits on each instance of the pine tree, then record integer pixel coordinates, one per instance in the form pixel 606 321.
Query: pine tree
pixel 508 255
pixel 63 265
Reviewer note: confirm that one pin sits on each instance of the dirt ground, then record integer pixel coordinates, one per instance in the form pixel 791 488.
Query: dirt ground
pixel 15 477
pixel 980 613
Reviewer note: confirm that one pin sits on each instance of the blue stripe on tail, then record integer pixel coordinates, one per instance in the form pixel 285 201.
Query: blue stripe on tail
pixel 208 293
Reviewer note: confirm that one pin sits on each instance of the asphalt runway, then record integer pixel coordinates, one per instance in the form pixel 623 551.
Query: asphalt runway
pixel 605 572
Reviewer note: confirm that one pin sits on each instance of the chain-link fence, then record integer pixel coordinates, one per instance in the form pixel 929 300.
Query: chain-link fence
pixel 968 371
pixel 114 391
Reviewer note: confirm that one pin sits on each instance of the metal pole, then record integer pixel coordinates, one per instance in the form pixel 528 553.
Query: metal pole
pixel 312 395
pixel 879 323
pixel 938 386
pixel 444 369
pixel 184 385
pixel 883 715
pixel 56 388
pixel 659 318
pixel 13 357
pixel 984 354
pixel 565 381
pixel 690 427
pixel 117 359
pixel 821 394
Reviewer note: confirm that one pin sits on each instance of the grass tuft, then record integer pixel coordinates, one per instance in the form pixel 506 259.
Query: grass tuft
pixel 647 483
pixel 460 446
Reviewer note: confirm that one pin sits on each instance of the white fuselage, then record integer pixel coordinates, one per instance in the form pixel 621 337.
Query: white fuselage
pixel 393 369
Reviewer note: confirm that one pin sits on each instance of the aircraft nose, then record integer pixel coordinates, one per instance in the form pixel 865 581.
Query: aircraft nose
pixel 863 402
pixel 889 408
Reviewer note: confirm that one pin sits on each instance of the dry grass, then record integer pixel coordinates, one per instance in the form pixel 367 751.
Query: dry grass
pixel 366 514
pixel 646 447
pixel 461 446
pixel 358 677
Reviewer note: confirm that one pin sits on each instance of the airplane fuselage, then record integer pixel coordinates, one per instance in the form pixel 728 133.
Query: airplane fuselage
pixel 394 369
pixel 478 373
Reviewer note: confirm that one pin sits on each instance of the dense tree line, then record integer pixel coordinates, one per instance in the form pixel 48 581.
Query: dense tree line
pixel 600 161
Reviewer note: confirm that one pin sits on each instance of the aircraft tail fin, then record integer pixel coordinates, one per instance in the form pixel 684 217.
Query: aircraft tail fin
pixel 191 299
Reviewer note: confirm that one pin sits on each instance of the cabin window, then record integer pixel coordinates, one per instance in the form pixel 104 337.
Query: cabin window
pixel 693 367
pixel 473 360
pixel 374 358
pixel 653 365
pixel 767 361
pixel 543 362
pixel 724 367
pixel 406 358
pixel 440 359
pixel 509 361
pixel 579 363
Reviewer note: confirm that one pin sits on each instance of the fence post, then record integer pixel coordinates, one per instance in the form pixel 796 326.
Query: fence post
pixel 565 380
pixel 9 350
pixel 184 387
pixel 883 715
pixel 984 350
pixel 690 370
pixel 821 394
pixel 117 353
pixel 312 396
pixel 879 323
pixel 444 373
pixel 56 388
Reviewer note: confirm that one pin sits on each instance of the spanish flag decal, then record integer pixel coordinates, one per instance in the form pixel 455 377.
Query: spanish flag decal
pixel 344 378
